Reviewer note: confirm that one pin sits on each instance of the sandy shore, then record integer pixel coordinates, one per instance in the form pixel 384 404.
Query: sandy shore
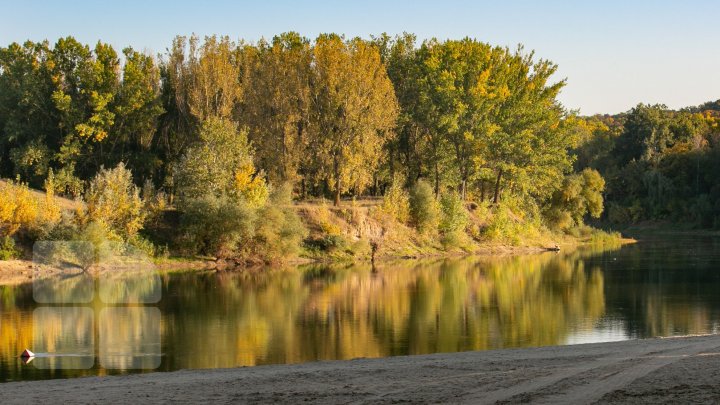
pixel 677 370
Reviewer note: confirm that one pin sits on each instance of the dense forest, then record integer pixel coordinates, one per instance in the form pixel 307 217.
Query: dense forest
pixel 227 133
pixel 658 164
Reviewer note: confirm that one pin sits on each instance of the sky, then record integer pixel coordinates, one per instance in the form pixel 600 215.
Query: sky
pixel 614 54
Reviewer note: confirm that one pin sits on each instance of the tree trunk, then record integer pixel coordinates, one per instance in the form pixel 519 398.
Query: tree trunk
pixel 437 181
pixel 337 192
pixel 496 197
pixel 463 189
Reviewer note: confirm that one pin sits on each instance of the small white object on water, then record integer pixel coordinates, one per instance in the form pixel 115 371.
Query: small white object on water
pixel 27 354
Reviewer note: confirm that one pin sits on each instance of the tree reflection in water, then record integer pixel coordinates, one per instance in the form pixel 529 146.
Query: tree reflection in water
pixel 287 315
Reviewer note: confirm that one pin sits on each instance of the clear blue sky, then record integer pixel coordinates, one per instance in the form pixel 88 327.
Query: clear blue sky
pixel 614 54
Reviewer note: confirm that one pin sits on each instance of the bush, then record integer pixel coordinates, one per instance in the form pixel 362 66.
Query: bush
pixel 64 182
pixel 424 210
pixel 580 195
pixel 329 242
pixel 279 232
pixel 220 164
pixel 396 202
pixel 510 222
pixel 8 250
pixel 454 215
pixel 453 221
pixel 154 203
pixel 327 221
pixel 217 226
pixel 21 211
pixel 113 199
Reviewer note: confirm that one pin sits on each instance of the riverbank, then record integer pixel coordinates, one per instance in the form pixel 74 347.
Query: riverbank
pixel 638 371
pixel 16 272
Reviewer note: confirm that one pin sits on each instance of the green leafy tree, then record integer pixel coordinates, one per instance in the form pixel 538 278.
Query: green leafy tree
pixel 29 133
pixel 220 164
pixel 138 109
pixel 527 151
pixel 424 209
pixel 580 195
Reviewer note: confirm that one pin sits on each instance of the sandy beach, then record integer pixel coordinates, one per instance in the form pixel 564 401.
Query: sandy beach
pixel 671 370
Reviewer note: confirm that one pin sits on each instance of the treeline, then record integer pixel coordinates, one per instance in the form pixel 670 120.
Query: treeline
pixel 333 116
pixel 228 132
pixel 659 164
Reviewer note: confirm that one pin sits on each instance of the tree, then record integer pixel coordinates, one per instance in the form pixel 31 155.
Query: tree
pixel 86 84
pixel 527 150
pixel 29 133
pixel 457 83
pixel 138 109
pixel 276 105
pixel 353 112
pixel 645 134
pixel 580 195
pixel 215 72
pixel 200 81
pixel 220 164
pixel 405 151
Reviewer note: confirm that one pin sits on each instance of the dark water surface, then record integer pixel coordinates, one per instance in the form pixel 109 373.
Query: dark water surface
pixel 658 287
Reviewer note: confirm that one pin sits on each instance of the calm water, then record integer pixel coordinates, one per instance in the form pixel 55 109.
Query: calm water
pixel 658 287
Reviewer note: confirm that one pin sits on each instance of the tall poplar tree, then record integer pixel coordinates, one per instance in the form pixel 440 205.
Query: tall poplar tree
pixel 353 111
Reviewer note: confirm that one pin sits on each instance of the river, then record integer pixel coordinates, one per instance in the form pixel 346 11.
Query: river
pixel 660 286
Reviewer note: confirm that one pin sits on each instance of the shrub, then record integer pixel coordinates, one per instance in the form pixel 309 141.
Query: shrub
pixel 424 210
pixel 279 232
pixel 8 250
pixel 220 164
pixel 21 211
pixel 65 182
pixel 325 219
pixel 113 199
pixel 217 226
pixel 453 220
pixel 154 202
pixel 579 195
pixel 396 202
pixel 454 215
pixel 510 223
pixel 250 185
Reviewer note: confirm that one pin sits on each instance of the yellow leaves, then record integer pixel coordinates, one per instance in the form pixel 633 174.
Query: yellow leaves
pixel 396 202
pixel 113 199
pixel 61 100
pixel 250 185
pixel 503 92
pixel 21 210
pixel 95 127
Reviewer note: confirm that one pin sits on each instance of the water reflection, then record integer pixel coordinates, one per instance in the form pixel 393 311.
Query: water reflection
pixel 341 312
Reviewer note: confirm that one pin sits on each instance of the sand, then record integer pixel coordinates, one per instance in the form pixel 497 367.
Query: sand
pixel 641 371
